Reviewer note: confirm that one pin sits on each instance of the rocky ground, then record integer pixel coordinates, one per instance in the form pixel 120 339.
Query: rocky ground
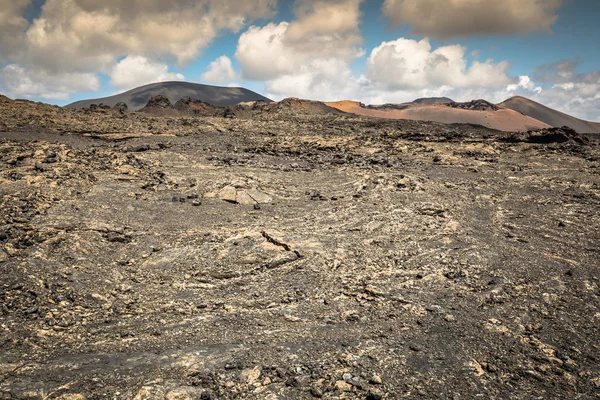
pixel 294 256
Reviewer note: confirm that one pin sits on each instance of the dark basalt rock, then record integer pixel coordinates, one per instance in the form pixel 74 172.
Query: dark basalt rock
pixel 475 105
pixel 188 106
pixel 159 101
pixel 99 107
pixel 561 135
pixel 121 108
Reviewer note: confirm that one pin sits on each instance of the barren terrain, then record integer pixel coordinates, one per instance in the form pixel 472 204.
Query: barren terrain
pixel 503 119
pixel 294 256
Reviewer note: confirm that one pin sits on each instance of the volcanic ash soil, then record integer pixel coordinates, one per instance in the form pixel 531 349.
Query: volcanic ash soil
pixel 294 257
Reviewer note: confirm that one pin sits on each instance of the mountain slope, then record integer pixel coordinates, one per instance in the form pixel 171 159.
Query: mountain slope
pixel 502 119
pixel 549 115
pixel 137 98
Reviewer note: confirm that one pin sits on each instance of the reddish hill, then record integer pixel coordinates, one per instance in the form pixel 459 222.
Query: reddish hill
pixel 476 112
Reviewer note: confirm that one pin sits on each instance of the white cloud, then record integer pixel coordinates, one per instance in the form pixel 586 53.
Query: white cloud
pixel 134 71
pixel 473 17
pixel 310 58
pixel 321 79
pixel 12 27
pixel 405 64
pixel 323 30
pixel 262 53
pixel 18 81
pixel 220 71
pixel 88 35
pixel 524 83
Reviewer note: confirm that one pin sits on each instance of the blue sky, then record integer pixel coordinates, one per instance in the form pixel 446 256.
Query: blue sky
pixel 59 51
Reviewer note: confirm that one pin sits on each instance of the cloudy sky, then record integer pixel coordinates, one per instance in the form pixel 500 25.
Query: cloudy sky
pixel 374 51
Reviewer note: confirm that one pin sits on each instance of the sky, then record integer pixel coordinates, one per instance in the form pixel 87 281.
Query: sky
pixel 379 51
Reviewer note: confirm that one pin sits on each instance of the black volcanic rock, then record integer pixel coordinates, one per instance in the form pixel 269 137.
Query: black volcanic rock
pixel 475 105
pixel 187 106
pixel 311 254
pixel 99 107
pixel 387 106
pixel 296 105
pixel 159 101
pixel 556 135
pixel 433 100
pixel 548 136
pixel 121 107
pixel 137 98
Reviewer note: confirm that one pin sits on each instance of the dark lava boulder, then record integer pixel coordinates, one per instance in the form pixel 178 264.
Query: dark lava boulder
pixel 160 106
pixel 159 101
pixel 556 135
pixel 560 135
pixel 187 106
pixel 121 108
pixel 99 107
pixel 475 105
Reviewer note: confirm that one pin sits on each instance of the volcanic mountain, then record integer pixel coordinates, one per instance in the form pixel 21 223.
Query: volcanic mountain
pixel 549 116
pixel 215 95
pixel 478 112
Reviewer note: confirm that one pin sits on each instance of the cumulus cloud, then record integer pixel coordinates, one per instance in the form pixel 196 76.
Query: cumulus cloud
pixel 525 83
pixel 472 17
pixel 262 53
pixel 320 79
pixel 220 71
pixel 134 71
pixel 322 30
pixel 12 26
pixel 87 35
pixel 326 27
pixel 410 64
pixel 310 57
pixel 19 82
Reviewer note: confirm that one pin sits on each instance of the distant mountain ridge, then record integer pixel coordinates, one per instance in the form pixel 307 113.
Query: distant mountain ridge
pixel 517 114
pixel 137 98
pixel 479 112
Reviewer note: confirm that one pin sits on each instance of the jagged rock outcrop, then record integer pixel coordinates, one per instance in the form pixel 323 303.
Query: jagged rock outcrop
pixel 475 105
pixel 159 101
pixel 121 108
pixel 99 107
pixel 187 106
pixel 560 135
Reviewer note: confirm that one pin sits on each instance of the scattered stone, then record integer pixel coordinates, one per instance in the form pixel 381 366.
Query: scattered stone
pixel 342 386
pixel 415 347
pixel 316 392
pixel 250 375
pixel 374 395
pixel 109 290
pixel 121 108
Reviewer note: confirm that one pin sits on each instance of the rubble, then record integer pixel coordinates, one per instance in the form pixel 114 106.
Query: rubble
pixel 293 253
